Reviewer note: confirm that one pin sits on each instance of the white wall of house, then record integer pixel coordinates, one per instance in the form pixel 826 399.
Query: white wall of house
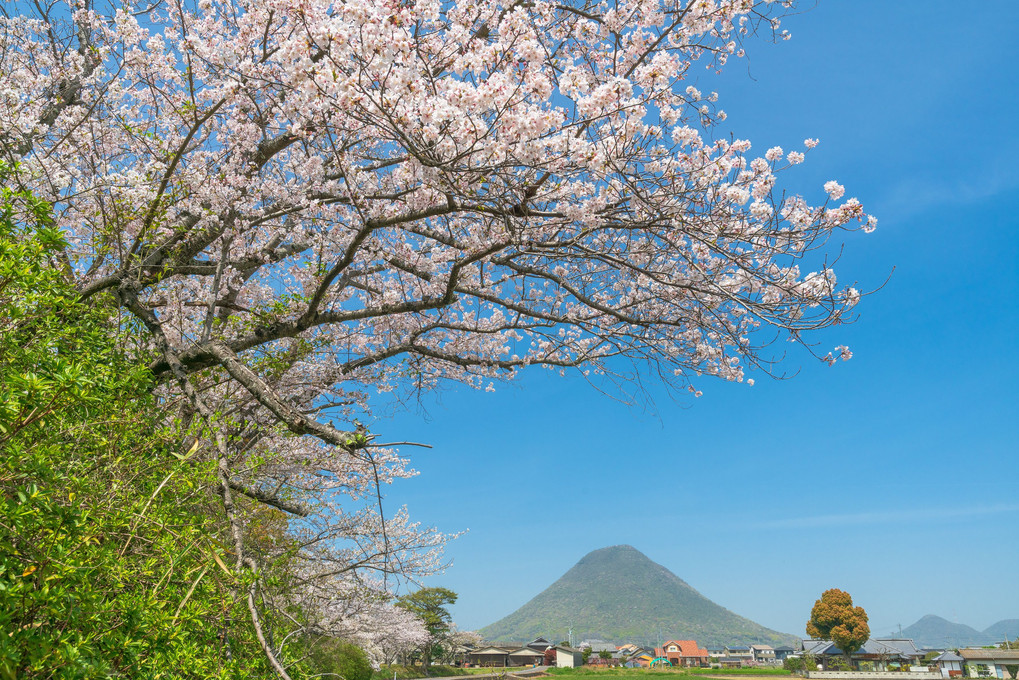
pixel 566 659
pixel 948 666
pixel 983 669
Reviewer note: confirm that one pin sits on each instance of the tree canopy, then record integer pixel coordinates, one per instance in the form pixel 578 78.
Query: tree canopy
pixel 430 605
pixel 834 618
pixel 303 208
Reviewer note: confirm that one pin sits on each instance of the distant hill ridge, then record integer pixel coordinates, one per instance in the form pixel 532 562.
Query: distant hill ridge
pixel 935 631
pixel 618 595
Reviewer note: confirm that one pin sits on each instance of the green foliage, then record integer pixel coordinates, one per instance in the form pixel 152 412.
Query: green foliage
pixel 110 559
pixel 404 672
pixel 807 662
pixel 332 657
pixel 753 670
pixel 429 604
pixel 838 663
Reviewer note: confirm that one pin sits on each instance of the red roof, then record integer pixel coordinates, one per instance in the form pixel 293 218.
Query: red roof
pixel 687 648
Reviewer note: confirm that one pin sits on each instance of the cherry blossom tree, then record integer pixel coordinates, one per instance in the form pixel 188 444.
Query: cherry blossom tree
pixel 305 204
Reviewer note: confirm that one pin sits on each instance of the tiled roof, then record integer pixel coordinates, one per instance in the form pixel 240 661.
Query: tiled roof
pixel 989 654
pixel 890 647
pixel 686 648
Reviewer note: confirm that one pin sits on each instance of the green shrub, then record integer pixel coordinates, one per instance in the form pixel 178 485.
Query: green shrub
pixel 109 556
pixel 329 656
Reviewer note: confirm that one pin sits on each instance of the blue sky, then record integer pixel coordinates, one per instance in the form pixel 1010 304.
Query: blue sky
pixel 893 476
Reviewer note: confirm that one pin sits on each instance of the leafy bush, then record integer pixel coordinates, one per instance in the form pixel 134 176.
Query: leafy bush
pixel 793 663
pixel 331 656
pixel 109 559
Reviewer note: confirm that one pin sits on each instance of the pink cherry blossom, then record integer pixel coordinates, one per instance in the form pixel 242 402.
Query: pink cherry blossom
pixel 311 205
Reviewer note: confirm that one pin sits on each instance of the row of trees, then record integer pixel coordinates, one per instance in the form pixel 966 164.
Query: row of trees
pixel 267 218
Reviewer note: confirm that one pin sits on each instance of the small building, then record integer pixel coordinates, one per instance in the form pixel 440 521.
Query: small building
pixel 950 664
pixel 525 656
pixel 641 659
pixel 539 644
pixel 990 663
pixel 490 657
pixel 683 653
pixel 764 654
pixel 736 653
pixel 783 652
pixel 568 657
pixel 597 646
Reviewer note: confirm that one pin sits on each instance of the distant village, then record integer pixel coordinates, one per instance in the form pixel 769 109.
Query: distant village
pixel 892 655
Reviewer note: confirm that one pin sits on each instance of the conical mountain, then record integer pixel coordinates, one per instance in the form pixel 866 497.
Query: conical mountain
pixel 618 595
pixel 934 631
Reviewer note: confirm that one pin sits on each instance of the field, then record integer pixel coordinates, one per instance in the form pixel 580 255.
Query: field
pixel 436 671
pixel 588 673
pixel 585 673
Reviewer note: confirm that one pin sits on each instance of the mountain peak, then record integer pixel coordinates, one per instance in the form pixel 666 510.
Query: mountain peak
pixel 619 594
pixel 936 631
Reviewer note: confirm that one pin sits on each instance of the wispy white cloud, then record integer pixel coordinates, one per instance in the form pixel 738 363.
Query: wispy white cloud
pixel 884 516
pixel 914 195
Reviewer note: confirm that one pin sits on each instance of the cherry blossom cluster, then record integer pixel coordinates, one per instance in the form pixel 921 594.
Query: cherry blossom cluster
pixel 309 204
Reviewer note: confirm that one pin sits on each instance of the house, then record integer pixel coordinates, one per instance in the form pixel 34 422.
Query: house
pixel 736 655
pixel 539 644
pixel 568 657
pixel 525 656
pixel 640 659
pixel 763 654
pixel 597 646
pixel 488 657
pixel 990 663
pixel 783 652
pixel 683 653
pixel 876 654
pixel 950 664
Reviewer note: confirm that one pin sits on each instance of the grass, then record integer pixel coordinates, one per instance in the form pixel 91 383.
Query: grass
pixel 434 671
pixel 588 671
pixel 601 673
pixel 671 674
pixel 411 672
pixel 739 671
